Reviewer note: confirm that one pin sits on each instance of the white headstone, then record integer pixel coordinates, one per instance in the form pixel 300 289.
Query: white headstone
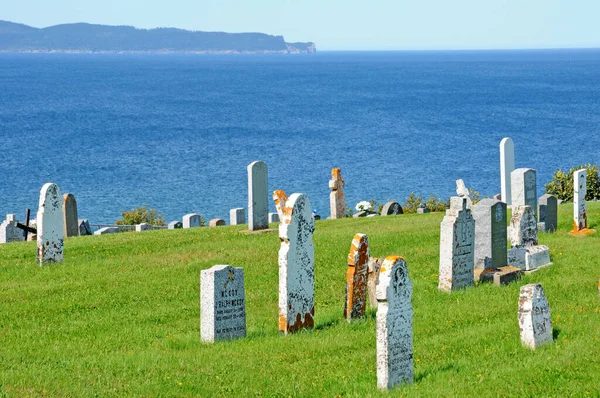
pixel 524 188
pixel 50 225
pixel 222 303
pixel 296 265
pixel 579 204
pixel 192 220
pixel 237 216
pixel 534 316
pixel 258 196
pixel 143 227
pixel 507 165
pixel 394 324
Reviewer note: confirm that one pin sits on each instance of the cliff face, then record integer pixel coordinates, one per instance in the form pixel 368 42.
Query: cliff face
pixel 82 37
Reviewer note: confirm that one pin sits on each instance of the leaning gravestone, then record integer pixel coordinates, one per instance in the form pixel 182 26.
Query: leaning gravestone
pixel 457 241
pixel 50 225
pixel 258 197
pixel 296 265
pixel 356 278
pixel 70 215
pixel 237 216
pixel 548 212
pixel 394 325
pixel 222 303
pixel 524 189
pixel 391 209
pixel 490 234
pixel 192 220
pixel 507 165
pixel 337 198
pixel 580 219
pixel 525 253
pixel 534 316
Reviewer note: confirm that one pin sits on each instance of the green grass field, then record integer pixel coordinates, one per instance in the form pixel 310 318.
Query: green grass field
pixel 120 317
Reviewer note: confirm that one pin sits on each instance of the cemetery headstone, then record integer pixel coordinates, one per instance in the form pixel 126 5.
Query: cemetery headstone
pixel 457 247
pixel 273 217
pixel 296 265
pixel 107 230
pixel 279 197
pixel 525 253
pixel 490 234
pixel 143 227
pixel 507 165
pixel 175 225
pixel 11 217
pixel 356 278
pixel 463 192
pixel 394 325
pixel 373 279
pixel 258 197
pixel 70 215
pixel 534 316
pixel 237 216
pixel 337 198
pixel 192 220
pixel 580 219
pixel 222 303
pixel 50 225
pixel 391 209
pixel 84 227
pixel 360 214
pixel 548 212
pixel 524 189
pixel 9 232
pixel 422 209
pixel 216 222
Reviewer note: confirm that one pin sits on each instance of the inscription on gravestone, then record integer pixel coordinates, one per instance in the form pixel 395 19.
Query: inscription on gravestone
pixel 524 189
pixel 356 278
pixel 534 316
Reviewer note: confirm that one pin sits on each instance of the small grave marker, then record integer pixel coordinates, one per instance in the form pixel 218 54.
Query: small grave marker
pixel 534 316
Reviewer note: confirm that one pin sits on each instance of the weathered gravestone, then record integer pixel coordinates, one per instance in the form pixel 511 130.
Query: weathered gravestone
pixel 175 225
pixel 143 227
pixel 457 247
pixel 216 222
pixel 356 278
pixel 524 189
pixel 534 316
pixel 422 209
pixel 507 165
pixel 525 253
pixel 84 227
pixel 490 234
pixel 9 232
pixel 394 324
pixel 548 212
pixel 273 217
pixel 237 216
pixel 50 225
pixel 193 220
pixel 391 209
pixel 337 198
pixel 373 279
pixel 70 215
pixel 258 197
pixel 463 192
pixel 222 303
pixel 279 197
pixel 296 265
pixel 580 219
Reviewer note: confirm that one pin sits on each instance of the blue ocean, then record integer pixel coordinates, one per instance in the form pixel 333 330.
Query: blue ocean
pixel 176 132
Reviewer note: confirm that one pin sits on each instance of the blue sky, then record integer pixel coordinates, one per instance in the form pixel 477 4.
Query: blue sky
pixel 345 25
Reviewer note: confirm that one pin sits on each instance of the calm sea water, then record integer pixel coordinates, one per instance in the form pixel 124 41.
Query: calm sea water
pixel 177 132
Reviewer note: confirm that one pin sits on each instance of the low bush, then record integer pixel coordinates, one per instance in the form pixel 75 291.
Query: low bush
pixel 561 185
pixel 139 215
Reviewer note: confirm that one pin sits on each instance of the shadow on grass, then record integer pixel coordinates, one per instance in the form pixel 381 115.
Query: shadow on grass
pixel 555 333
pixel 427 373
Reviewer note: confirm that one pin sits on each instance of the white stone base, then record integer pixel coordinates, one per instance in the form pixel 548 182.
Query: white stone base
pixel 529 258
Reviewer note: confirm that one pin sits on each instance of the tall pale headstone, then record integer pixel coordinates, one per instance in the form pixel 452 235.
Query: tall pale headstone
pixel 237 216
pixel 457 247
pixel 356 278
pixel 337 198
pixel 526 253
pixel 548 212
pixel 258 196
pixel 222 303
pixel 50 225
pixel 70 215
pixel 580 220
pixel 490 234
pixel 534 316
pixel 507 165
pixel 192 220
pixel 394 325
pixel 524 189
pixel 296 265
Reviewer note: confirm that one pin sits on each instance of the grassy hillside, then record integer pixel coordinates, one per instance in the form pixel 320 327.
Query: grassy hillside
pixel 121 317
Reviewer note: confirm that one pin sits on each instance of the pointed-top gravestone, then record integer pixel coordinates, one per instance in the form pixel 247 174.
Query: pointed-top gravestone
pixel 507 165
pixel 337 198
pixel 296 265
pixel 548 212
pixel 457 247
pixel 356 278
pixel 394 324
pixel 70 215
pixel 580 219
pixel 258 196
pixel 524 188
pixel 534 316
pixel 50 225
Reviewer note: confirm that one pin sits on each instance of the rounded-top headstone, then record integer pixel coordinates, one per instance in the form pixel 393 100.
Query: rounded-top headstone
pixel 391 209
pixel 50 225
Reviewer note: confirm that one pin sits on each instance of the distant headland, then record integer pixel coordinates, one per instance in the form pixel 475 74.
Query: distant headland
pixel 89 38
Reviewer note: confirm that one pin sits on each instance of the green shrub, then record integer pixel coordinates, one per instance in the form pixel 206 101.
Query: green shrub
pixel 561 185
pixel 141 215
pixel 433 203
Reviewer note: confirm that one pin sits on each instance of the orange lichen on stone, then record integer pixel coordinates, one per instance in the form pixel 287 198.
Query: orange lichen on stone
pixel 582 232
pixel 279 197
pixel 356 277
pixel 299 324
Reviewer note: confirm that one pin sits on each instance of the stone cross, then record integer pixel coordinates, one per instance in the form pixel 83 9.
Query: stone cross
pixel 50 225
pixel 394 324
pixel 356 278
pixel 548 212
pixel 258 197
pixel 337 198
pixel 457 247
pixel 490 234
pixel 391 209
pixel 525 253
pixel 524 190
pixel 192 220
pixel 70 215
pixel 534 316
pixel 237 216
pixel 222 303
pixel 507 165
pixel 296 265
pixel 579 205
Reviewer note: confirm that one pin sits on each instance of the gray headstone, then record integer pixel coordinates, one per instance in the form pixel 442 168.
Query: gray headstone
pixel 222 303
pixel 534 316
pixel 237 216
pixel 394 325
pixel 356 278
pixel 258 196
pixel 457 248
pixel 391 209
pixel 192 220
pixel 107 230
pixel 11 217
pixel 525 253
pixel 175 225
pixel 507 165
pixel 84 227
pixel 10 233
pixel 143 227
pixel 490 234
pixel 548 212
pixel 50 225
pixel 524 188
pixel 273 217
pixel 70 215
pixel 216 222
